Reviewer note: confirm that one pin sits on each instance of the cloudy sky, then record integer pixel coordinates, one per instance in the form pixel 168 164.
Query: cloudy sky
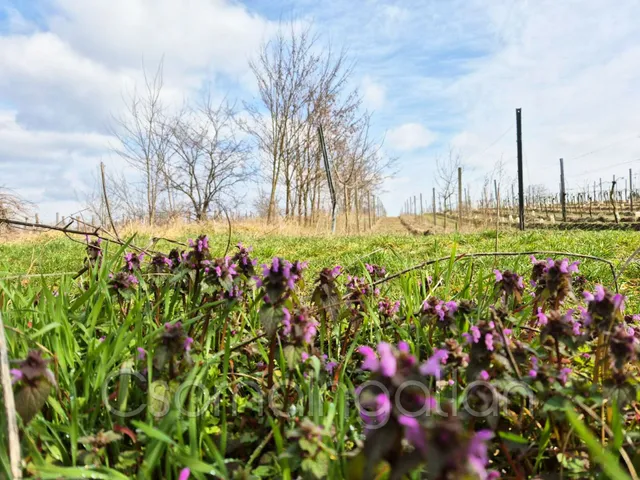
pixel 437 74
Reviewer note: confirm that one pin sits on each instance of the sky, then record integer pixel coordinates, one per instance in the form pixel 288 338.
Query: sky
pixel 439 76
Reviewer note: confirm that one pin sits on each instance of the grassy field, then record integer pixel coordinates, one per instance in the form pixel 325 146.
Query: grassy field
pixel 210 368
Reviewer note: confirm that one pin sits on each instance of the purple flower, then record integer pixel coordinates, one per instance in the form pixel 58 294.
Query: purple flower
pixel 433 365
pixel 388 362
pixel 370 361
pixel 330 366
pixel 498 275
pixel 563 376
pixel 588 296
pixel 16 375
pixel 533 373
pixel 599 293
pixel 142 353
pixel 187 343
pixel 381 413
pixel 413 432
pixel 304 356
pixel 184 474
pixel 475 334
pixel 404 347
pixel 102 339
pixel 488 341
pixel 542 318
pixel 478 455
pixel 484 375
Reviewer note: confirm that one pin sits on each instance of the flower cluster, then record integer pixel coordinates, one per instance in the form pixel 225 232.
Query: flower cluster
pixel 160 264
pixel 173 349
pixel 94 251
pixel 122 283
pixel 509 284
pixel 198 257
pixel 299 328
pixel 358 290
pixel 243 261
pixel 552 279
pixel 32 382
pixel 387 308
pixel 132 261
pixel 279 279
pixel 394 415
pixel 376 272
pixel 603 308
pixel 443 313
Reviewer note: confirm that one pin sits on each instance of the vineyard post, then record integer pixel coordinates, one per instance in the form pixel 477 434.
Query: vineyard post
pixel 459 197
pixel 327 168
pixel 415 206
pixel 369 208
pixel 421 207
pixel 600 188
pixel 631 191
pixel 37 219
pixel 57 218
pixel 434 205
pixel 520 171
pixel 563 194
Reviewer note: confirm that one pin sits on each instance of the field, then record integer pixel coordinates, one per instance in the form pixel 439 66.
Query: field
pixel 206 366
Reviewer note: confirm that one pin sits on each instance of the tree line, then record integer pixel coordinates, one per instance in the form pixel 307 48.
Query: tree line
pixel 198 159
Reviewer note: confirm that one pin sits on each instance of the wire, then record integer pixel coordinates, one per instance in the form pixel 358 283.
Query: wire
pixel 599 149
pixel 491 144
pixel 607 167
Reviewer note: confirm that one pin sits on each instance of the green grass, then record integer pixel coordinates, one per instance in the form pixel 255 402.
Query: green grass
pixel 91 334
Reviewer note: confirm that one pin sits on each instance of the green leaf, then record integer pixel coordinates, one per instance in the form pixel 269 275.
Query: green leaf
pixel 153 432
pixel 600 455
pixel 270 318
pixel 31 398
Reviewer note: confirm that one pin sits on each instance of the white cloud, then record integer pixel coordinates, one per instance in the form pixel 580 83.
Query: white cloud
pixel 373 93
pixel 409 137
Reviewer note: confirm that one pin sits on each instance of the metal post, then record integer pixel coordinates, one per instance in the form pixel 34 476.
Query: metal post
pixel 520 170
pixel 327 168
pixel 421 207
pixel 459 197
pixel 563 195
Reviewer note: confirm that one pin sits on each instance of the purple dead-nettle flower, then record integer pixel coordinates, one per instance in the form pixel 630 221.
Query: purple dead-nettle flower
pixel 375 271
pixel 142 353
pixel 161 264
pixel 280 278
pixel 473 336
pixel 477 454
pixel 433 366
pixel 488 341
pixel 122 282
pixel 133 261
pixel 376 412
pixel 222 269
pixel 388 362
pixel 542 318
pixel 387 308
pixel 484 375
pixel 330 367
pixel 563 376
pixel 32 369
pixel 603 308
pixel 242 258
pixel 198 257
pixel 413 432
pixel 509 284
pixel 623 346
pixel 16 375
pixel 553 278
pixel 94 251
pixel 102 339
pixel 434 308
pixel 299 328
pixel 187 344
pixel 184 474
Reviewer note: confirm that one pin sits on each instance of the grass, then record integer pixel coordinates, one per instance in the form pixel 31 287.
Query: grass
pixel 92 335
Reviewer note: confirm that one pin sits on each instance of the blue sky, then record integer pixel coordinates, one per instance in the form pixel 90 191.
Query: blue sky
pixel 438 75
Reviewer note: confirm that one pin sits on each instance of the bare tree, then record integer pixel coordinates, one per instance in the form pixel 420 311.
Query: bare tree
pixel 12 205
pixel 447 174
pixel 207 158
pixel 143 140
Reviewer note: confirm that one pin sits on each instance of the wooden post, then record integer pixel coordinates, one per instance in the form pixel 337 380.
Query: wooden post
pixel 421 206
pixel 563 194
pixel 37 219
pixel 57 218
pixel 631 191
